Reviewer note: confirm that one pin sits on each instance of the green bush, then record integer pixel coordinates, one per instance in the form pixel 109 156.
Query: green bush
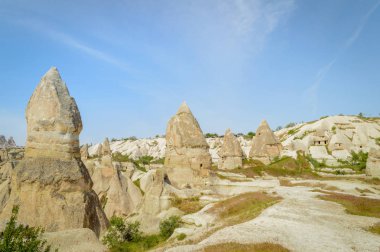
pixel 18 237
pixel 292 124
pixel 181 237
pixel 168 225
pixel 251 134
pixel 118 157
pixel 359 159
pixel 209 135
pixel 145 160
pixel 122 236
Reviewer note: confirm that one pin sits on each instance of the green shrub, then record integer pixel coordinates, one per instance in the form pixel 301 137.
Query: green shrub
pixel 18 237
pixel 210 135
pixel 120 232
pixel 181 237
pixel 292 131
pixel 292 124
pixel 359 159
pixel 118 157
pixel 122 236
pixel 251 134
pixel 145 160
pixel 168 225
pixel 158 161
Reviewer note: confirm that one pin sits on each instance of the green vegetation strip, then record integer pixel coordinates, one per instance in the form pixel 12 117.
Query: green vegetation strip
pixel 188 205
pixel 122 236
pixel 355 205
pixel 285 166
pixel 258 247
pixel 243 207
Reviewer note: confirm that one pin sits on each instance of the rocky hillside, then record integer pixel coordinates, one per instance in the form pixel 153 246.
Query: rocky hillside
pixel 328 139
pixel 4 143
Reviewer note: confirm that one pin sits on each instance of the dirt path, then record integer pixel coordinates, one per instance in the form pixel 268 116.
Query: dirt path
pixel 301 222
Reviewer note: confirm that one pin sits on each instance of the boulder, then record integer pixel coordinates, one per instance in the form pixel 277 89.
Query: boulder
pixel 51 184
pixel 373 163
pixel 231 154
pixel 187 157
pixel 265 145
pixel 73 240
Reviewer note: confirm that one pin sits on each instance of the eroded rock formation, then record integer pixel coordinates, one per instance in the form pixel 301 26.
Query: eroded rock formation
pixel 51 185
pixel 187 157
pixel 265 145
pixel 373 163
pixel 84 152
pixel 231 154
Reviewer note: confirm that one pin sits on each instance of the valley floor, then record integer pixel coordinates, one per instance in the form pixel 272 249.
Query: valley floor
pixel 303 222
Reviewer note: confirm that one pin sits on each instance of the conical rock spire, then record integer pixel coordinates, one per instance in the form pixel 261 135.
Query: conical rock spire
pixel 53 120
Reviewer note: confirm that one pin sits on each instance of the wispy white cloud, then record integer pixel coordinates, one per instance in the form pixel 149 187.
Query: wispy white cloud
pixel 312 91
pixel 93 52
pixel 74 43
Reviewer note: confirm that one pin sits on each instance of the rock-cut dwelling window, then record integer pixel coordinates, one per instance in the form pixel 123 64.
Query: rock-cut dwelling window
pixel 200 165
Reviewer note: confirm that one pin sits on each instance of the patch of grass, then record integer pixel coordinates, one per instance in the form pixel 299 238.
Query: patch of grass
pixel 375 228
pixel 118 157
pixel 292 131
pixel 122 236
pixel 285 166
pixel 377 141
pixel 181 237
pixel 158 161
pixel 288 166
pixel 188 205
pixel 232 179
pixel 288 183
pixel 363 190
pixel 238 247
pixel 137 183
pixel 372 181
pixel 307 132
pixel 243 207
pixel 355 205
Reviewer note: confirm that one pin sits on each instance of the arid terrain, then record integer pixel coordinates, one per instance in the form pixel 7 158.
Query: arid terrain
pixel 306 187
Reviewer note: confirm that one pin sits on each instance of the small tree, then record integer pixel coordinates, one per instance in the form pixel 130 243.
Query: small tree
pixel 18 237
pixel 251 134
pixel 168 225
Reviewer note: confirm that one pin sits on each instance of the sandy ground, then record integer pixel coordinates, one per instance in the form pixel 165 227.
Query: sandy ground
pixel 302 222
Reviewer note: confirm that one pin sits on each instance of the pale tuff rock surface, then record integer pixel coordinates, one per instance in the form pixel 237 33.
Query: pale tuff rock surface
pixel 332 138
pixel 106 150
pixel 265 145
pixel 338 131
pixel 51 184
pixel 373 163
pixel 231 154
pixel 73 240
pixel 117 193
pixel 53 120
pixel 187 157
pixel 155 205
pixel 84 152
pixel 4 143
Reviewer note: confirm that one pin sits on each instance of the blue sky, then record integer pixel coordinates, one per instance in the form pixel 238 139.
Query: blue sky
pixel 130 64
